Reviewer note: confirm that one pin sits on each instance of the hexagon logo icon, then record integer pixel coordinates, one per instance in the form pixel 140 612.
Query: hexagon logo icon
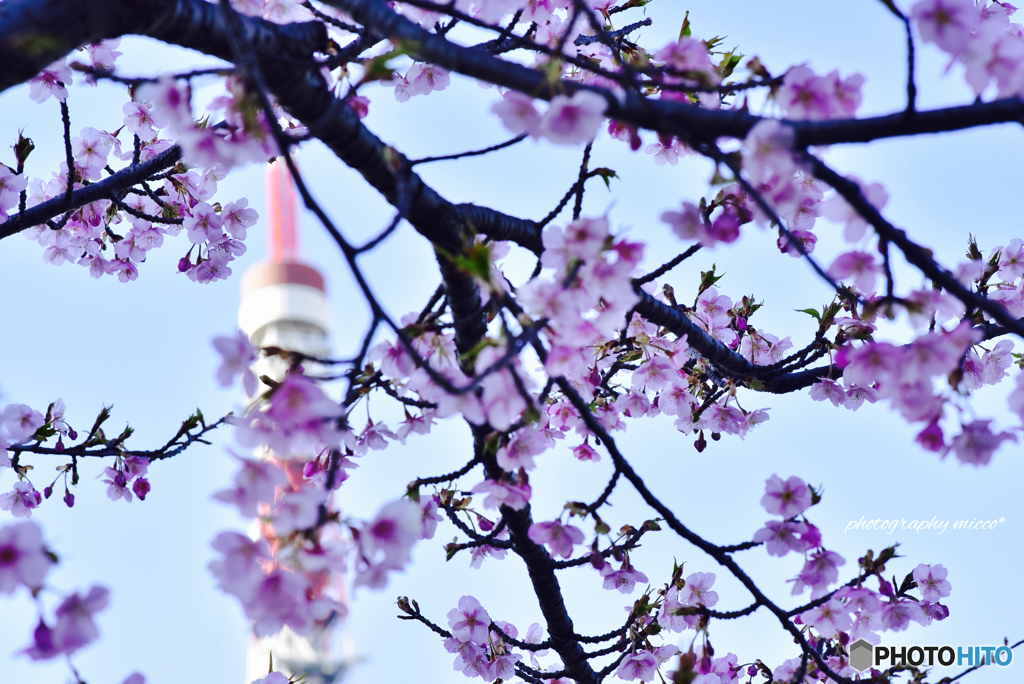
pixel 862 653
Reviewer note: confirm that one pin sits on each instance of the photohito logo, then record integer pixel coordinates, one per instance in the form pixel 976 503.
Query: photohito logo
pixel 863 655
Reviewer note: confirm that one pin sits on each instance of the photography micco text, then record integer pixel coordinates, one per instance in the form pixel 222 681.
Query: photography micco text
pixel 935 525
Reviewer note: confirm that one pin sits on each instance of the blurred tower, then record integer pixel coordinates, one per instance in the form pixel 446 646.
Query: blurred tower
pixel 284 304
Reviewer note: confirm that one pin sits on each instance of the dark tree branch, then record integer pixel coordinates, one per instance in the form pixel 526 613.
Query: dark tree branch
pixel 612 35
pixel 90 449
pixel 668 116
pixel 104 189
pixel 914 253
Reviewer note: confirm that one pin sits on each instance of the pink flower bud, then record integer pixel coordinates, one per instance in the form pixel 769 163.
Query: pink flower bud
pixel 69 498
pixel 141 488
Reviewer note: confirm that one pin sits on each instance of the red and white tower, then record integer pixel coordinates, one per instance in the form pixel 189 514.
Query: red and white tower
pixel 284 302
pixel 284 305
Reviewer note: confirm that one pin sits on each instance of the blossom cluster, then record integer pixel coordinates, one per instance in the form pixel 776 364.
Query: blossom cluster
pixel 852 611
pixel 24 562
pixel 114 237
pixel 981 37
pixel 284 577
pixel 20 424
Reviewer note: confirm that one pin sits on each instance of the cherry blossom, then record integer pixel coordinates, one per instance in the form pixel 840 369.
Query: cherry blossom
pixel 238 216
pixel 624 579
pixel 393 532
pixel 23 557
pixel 573 120
pixel 860 265
pixel 781 537
pixel 469 622
pixel 897 615
pixel 560 538
pixel 818 572
pixel 503 494
pixel 426 78
pixel 21 499
pixel 828 618
pixel 21 421
pixel 947 23
pixel 788 499
pixel 51 81
pixel 931 580
pixel 642 665
pixel 768 149
pixel 75 626
pixel 237 355
pixel 977 442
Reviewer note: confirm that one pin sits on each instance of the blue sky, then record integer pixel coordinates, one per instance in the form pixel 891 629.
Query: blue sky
pixel 144 347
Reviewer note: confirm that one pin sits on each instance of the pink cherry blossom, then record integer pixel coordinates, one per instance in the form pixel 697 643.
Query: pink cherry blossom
pixel 818 572
pixel 786 672
pixel 204 224
pixel 697 590
pixel 21 421
pixel 976 443
pixel 393 532
pixel 470 658
pixel 298 509
pixel 931 580
pixel 837 209
pixel 897 616
pixel 21 499
pixel 273 677
pixel 560 538
pixel 804 95
pixel 573 120
pixel 781 537
pixel 788 499
pixel 827 389
pixel 75 627
pixel 171 103
pixel 426 78
pixel 254 483
pixel 642 665
pixel 768 149
pixel 947 23
pixel 239 571
pixel 624 579
pixel 237 355
pixel 50 81
pixel 503 494
pixel 238 216
pixel 469 622
pixel 860 265
pixel 11 186
pixel 828 618
pixel 1016 399
pixel 138 120
pixel 278 600
pixel 23 558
